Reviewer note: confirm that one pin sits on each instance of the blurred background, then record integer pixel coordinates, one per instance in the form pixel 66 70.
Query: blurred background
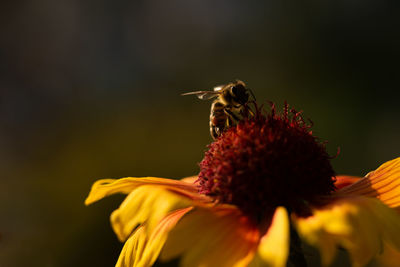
pixel 91 89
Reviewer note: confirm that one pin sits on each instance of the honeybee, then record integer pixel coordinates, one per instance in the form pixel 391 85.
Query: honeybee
pixel 230 101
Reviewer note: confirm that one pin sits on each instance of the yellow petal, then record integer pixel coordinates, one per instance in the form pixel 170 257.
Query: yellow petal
pixel 145 204
pixel 273 249
pixel 133 248
pixel 106 187
pixel 221 237
pixel 142 249
pixel 359 224
pixel 383 183
pixel 159 237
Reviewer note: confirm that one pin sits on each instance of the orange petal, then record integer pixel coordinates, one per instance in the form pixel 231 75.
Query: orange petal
pixel 220 236
pixel 146 204
pixel 343 181
pixel 273 249
pixel 359 224
pixel 106 187
pixel 142 250
pixel 389 258
pixel 190 179
pixel 383 183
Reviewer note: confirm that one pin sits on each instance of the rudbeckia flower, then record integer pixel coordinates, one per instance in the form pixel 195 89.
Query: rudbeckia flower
pixel 265 187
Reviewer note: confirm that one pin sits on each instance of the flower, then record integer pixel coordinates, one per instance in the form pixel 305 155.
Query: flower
pixel 264 186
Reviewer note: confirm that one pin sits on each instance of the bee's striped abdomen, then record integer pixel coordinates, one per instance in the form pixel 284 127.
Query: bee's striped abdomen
pixel 218 119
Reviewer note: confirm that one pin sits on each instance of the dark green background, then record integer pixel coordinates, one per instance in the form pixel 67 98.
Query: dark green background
pixel 91 89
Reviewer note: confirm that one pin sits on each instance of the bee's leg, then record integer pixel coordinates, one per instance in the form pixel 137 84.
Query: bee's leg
pixel 229 122
pixel 231 115
pixel 214 132
pixel 244 112
pixel 250 111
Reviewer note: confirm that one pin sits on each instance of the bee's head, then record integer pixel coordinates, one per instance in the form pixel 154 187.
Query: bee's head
pixel 239 92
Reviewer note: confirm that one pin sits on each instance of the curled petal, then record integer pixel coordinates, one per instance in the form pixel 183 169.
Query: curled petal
pixel 106 187
pixel 220 236
pixel 273 249
pixel 383 183
pixel 142 248
pixel 146 204
pixel 149 200
pixel 359 224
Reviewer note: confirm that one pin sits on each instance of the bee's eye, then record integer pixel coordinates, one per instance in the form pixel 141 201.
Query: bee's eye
pixel 235 90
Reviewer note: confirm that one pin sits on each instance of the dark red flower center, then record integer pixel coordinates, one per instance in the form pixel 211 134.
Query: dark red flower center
pixel 267 161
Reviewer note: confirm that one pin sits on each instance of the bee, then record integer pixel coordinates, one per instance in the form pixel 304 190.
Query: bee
pixel 230 101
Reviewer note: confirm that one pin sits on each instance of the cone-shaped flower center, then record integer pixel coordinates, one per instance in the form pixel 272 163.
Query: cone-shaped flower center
pixel 265 162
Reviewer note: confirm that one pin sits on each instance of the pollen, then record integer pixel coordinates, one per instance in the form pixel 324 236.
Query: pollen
pixel 267 160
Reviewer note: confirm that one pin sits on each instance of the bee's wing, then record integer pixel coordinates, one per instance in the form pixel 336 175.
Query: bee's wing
pixel 204 95
pixel 218 88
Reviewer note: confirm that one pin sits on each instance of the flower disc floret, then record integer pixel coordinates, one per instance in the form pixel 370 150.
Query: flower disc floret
pixel 267 161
